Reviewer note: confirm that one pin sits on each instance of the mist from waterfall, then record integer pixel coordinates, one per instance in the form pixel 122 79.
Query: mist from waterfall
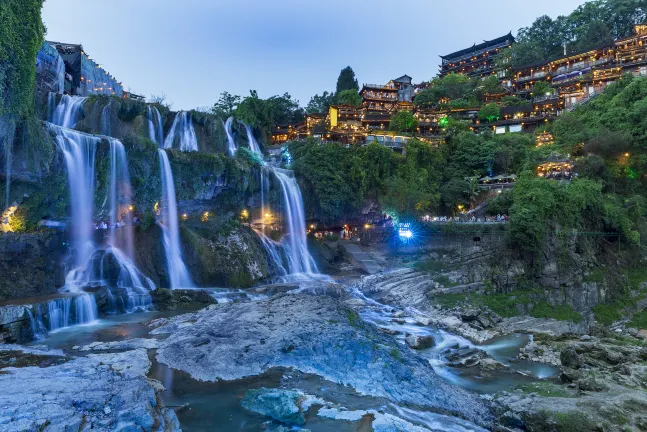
pixel 253 144
pixel 155 126
pixel 68 111
pixel 177 272
pixel 183 132
pixel 230 136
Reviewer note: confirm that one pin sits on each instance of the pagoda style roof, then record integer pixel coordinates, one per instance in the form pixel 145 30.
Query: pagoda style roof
pixel 403 79
pixel 482 46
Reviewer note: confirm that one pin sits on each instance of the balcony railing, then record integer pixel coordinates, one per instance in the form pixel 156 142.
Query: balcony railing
pixel 545 98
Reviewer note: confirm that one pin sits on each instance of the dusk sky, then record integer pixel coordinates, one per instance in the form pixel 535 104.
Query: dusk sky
pixel 192 50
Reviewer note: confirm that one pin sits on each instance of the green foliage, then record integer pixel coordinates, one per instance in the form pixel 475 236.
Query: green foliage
pixel 353 318
pixel 608 313
pixel 21 36
pixel 490 112
pixel 403 121
pixel 545 389
pixel 129 109
pixel 542 88
pixel 349 97
pixel 560 312
pixel 264 114
pixel 226 105
pixel 589 26
pixel 639 320
pixel 320 104
pixel 451 87
pixel 347 80
pixel 430 265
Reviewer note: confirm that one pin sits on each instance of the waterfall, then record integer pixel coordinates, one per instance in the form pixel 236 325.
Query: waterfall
pixel 51 106
pixel 79 150
pixel 68 111
pixel 300 261
pixel 106 128
pixel 177 272
pixel 121 234
pixel 274 252
pixel 182 131
pixel 230 136
pixel 91 261
pixel 155 133
pixel 120 200
pixel 253 144
pixel 64 312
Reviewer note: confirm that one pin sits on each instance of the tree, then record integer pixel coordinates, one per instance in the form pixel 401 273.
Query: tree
pixel 226 105
pixel 320 104
pixel 347 80
pixel 542 88
pixel 490 112
pixel 349 97
pixel 403 121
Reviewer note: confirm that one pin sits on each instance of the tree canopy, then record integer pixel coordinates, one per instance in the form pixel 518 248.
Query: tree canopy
pixel 347 80
pixel 349 97
pixel 403 121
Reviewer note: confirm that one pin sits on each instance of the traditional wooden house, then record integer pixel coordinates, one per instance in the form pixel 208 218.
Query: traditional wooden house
pixel 478 60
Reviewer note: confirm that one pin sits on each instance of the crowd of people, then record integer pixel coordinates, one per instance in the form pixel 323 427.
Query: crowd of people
pixel 103 225
pixel 470 219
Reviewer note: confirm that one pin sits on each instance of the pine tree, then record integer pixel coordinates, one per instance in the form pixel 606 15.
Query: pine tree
pixel 347 80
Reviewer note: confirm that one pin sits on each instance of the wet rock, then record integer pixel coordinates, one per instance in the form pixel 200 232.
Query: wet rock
pixel 329 340
pixel 98 392
pixel 127 344
pixel 418 342
pixel 281 405
pixel 570 358
pixel 389 331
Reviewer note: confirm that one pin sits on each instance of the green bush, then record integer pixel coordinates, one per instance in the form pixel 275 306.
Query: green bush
pixel 560 312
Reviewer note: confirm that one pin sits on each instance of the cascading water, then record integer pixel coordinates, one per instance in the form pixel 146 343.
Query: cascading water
pixel 63 312
pixel 300 262
pixel 121 233
pixel 177 272
pixel 106 128
pixel 183 132
pixel 68 111
pixel 253 144
pixel 230 136
pixel 155 132
pixel 91 262
pixel 79 151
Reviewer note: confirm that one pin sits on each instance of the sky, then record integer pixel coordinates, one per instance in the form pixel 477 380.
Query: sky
pixel 192 50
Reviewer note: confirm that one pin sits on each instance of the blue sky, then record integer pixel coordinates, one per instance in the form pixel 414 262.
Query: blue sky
pixel 192 50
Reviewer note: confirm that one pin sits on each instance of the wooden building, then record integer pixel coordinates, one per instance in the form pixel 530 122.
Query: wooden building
pixel 478 60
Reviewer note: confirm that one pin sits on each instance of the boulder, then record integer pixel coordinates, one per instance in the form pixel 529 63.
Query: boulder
pixel 418 342
pixel 281 405
pixel 570 358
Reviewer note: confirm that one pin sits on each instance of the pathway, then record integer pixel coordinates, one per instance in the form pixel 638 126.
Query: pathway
pixel 365 259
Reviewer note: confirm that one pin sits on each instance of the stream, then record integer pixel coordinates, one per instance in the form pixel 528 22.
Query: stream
pixel 217 406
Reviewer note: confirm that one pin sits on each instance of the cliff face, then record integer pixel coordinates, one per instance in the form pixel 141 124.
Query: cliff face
pixel 127 118
pixel 219 252
pixel 31 264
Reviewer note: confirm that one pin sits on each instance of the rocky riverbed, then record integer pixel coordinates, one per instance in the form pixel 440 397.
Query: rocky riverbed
pixel 375 353
pixel 96 392
pixel 314 334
